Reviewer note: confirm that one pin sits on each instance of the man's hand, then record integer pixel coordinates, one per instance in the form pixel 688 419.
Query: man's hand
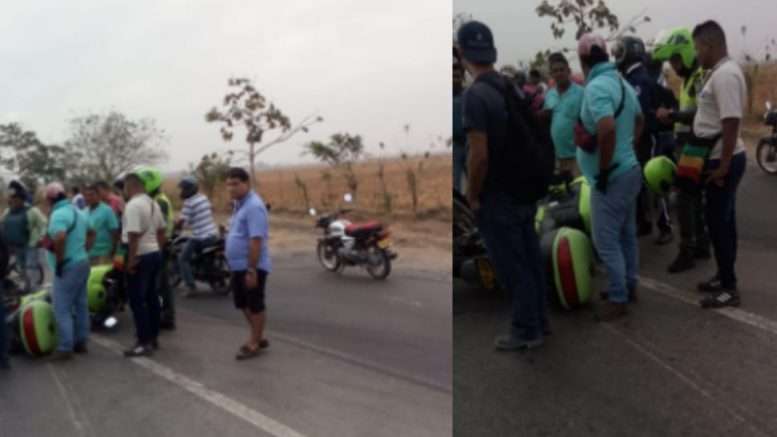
pixel 251 279
pixel 718 176
pixel 602 180
pixel 664 115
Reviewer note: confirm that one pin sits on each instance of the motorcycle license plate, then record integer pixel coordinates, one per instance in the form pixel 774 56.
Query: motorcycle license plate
pixel 384 244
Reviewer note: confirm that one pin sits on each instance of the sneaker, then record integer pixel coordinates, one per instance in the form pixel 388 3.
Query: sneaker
pixel 725 298
pixel 510 343
pixel 712 285
pixel 139 350
pixel 682 263
pixel 80 348
pixel 61 356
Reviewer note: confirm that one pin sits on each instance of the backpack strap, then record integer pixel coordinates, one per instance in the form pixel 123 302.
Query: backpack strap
pixel 623 100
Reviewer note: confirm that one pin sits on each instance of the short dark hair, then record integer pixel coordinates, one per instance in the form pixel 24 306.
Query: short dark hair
pixel 238 173
pixel 535 74
pixel 596 56
pixel 75 189
pixel 558 58
pixel 91 187
pixel 711 32
pixel 102 185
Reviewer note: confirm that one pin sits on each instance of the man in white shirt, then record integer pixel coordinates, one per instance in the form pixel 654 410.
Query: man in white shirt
pixel 143 233
pixel 718 118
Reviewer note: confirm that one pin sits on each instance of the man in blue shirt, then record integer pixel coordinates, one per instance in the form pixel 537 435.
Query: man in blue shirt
pixel 562 104
pixel 67 231
pixel 612 112
pixel 248 257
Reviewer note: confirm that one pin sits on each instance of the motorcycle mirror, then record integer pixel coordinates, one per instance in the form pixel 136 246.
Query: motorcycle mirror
pixel 110 322
pixel 312 211
pixel 348 198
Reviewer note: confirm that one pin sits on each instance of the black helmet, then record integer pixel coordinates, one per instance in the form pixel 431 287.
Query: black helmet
pixel 118 183
pixel 628 50
pixel 17 189
pixel 188 186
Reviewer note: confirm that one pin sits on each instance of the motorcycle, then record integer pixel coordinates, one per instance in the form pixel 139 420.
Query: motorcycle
pixel 563 224
pixel 208 265
pixel 766 152
pixel 30 317
pixel 346 244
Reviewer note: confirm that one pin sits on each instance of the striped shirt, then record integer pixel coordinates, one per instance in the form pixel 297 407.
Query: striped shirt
pixel 198 215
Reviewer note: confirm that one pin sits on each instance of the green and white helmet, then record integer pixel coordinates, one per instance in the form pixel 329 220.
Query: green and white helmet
pixel 150 176
pixel 659 174
pixel 675 42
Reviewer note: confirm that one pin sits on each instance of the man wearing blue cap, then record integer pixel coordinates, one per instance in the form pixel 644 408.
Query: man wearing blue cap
pixel 497 193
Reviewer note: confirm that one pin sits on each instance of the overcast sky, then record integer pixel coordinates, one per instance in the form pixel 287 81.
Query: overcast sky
pixel 519 33
pixel 368 67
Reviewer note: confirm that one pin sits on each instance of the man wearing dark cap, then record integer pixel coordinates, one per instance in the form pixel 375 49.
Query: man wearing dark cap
pixel 505 218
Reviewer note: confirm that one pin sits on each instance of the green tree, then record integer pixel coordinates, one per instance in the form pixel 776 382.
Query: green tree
pixel 32 161
pixel 245 106
pixel 103 146
pixel 211 170
pixel 341 152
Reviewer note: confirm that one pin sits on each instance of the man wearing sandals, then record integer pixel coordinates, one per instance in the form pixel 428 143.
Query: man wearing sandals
pixel 718 119
pixel 248 258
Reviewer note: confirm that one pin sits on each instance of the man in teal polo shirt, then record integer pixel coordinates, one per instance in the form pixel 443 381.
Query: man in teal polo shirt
pixel 611 112
pixel 562 104
pixel 104 226
pixel 67 231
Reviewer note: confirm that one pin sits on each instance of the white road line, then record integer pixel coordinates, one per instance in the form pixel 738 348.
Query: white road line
pixel 236 408
pixel 70 408
pixel 685 379
pixel 736 314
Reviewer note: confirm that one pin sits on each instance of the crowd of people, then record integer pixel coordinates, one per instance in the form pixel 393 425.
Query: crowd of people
pixel 129 224
pixel 605 128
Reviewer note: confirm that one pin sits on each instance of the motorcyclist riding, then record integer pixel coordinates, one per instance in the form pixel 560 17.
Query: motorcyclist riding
pixel 197 214
pixel 676 46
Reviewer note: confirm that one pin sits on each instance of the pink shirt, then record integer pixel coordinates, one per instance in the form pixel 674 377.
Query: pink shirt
pixel 116 203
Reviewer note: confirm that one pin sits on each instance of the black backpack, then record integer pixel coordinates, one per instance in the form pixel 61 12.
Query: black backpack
pixel 528 149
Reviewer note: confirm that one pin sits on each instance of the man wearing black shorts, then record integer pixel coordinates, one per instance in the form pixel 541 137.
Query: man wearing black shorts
pixel 248 258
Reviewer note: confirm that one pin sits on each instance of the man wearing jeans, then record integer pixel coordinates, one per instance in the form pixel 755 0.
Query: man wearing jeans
pixel 505 216
pixel 720 109
pixel 24 226
pixel 197 214
pixel 67 231
pixel 143 233
pixel 612 168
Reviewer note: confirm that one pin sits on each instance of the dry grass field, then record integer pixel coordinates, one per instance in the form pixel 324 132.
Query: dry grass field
pixel 283 188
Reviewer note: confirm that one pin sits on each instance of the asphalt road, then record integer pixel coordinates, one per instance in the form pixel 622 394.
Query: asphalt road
pixel 349 356
pixel 670 369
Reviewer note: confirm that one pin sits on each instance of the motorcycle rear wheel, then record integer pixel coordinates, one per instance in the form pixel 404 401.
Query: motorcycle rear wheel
pixel 766 156
pixel 328 259
pixel 219 283
pixel 379 270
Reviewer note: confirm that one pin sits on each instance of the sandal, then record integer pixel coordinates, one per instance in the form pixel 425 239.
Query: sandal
pixel 247 351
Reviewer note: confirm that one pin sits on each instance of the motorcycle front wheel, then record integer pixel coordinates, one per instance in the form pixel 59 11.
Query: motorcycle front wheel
pixel 378 263
pixel 766 156
pixel 327 257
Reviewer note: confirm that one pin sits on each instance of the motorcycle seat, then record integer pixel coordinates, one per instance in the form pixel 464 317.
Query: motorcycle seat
pixel 363 229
